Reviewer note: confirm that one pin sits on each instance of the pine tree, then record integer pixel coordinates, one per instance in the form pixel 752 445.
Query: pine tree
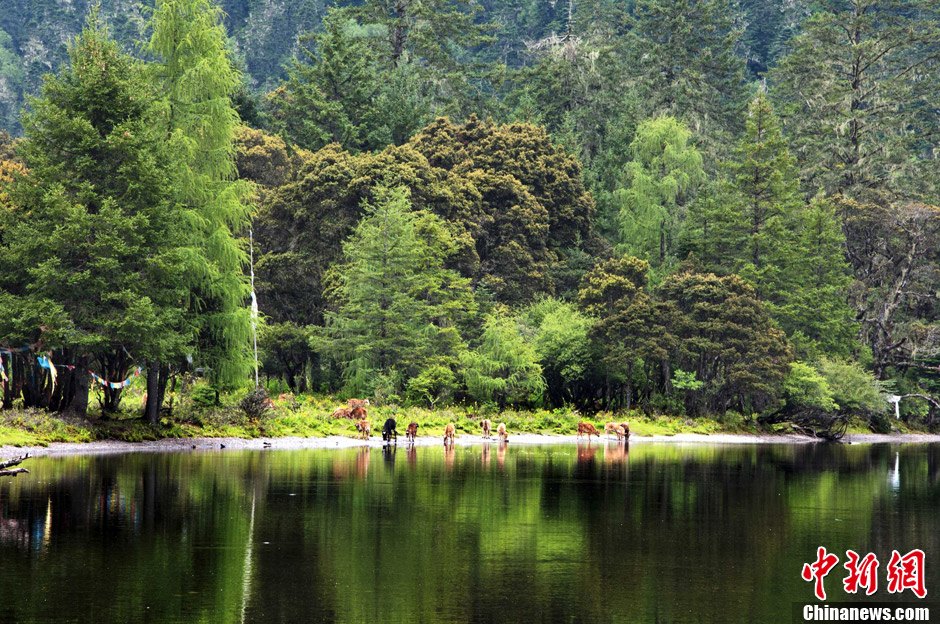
pixel 331 91
pixel 859 92
pixel 763 197
pixel 684 63
pixel 811 304
pixel 504 368
pixel 198 78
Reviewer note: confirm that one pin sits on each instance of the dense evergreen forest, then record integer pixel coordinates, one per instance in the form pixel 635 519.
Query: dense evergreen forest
pixel 700 207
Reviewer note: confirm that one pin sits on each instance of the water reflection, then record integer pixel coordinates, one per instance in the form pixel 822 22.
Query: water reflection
pixel 449 535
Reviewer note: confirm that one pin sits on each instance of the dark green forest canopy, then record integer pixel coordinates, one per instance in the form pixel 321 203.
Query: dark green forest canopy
pixel 697 206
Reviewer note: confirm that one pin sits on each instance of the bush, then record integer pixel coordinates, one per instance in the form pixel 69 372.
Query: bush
pixel 804 387
pixel 204 395
pixel 853 388
pixel 256 404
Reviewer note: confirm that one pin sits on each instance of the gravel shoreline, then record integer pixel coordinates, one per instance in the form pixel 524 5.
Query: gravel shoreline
pixel 340 442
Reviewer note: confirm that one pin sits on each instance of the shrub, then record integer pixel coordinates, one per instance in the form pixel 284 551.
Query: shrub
pixel 804 387
pixel 256 404
pixel 204 395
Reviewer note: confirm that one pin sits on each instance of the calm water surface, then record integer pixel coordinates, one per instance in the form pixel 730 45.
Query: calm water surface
pixel 660 533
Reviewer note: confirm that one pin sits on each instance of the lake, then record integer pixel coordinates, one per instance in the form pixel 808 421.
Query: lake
pixel 664 533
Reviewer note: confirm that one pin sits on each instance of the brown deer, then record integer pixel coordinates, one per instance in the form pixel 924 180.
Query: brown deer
pixel 587 428
pixel 486 425
pixel 411 432
pixel 362 426
pixel 501 433
pixel 449 432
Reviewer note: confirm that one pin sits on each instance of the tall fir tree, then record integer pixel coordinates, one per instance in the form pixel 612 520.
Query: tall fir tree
pixel 761 197
pixel 859 88
pixel 198 78
pixel 397 309
pixel 332 89
pixel 684 62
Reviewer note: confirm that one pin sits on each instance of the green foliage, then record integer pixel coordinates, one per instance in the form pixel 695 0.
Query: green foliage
pixel 560 334
pixel 682 56
pixel 504 368
pixel 854 389
pixel 204 395
pixel 94 259
pixel 805 387
pixel 196 74
pixel 686 380
pixel 660 181
pixel 858 117
pixel 397 306
pixel 725 336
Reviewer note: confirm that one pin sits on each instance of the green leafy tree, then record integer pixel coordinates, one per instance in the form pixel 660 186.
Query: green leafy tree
pixel 331 90
pixel 859 91
pixel 560 333
pixel 195 71
pixel 504 368
pixel 766 193
pixel 397 308
pixel 632 342
pixel 726 337
pixel 659 183
pixel 854 389
pixel 805 387
pixel 95 259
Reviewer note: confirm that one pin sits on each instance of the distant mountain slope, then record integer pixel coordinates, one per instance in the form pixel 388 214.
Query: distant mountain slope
pixel 34 35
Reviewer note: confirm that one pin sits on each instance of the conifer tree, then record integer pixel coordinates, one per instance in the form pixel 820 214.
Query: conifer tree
pixel 859 91
pixel 660 181
pixel 93 263
pixel 684 63
pixel 331 91
pixel 397 308
pixel 198 79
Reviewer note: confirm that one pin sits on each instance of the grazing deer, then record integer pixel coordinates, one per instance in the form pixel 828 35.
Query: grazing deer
pixel 486 425
pixel 449 432
pixel 501 433
pixel 390 431
pixel 362 426
pixel 411 432
pixel 626 429
pixel 621 433
pixel 358 413
pixel 587 428
pixel 610 428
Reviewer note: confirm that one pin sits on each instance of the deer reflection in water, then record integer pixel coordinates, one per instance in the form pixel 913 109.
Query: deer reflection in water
pixel 362 462
pixel 586 453
pixel 450 455
pixel 616 452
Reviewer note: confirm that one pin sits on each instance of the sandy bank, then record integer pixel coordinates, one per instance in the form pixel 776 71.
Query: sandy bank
pixel 339 442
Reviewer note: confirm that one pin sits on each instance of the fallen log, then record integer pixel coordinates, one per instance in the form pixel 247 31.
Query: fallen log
pixel 13 462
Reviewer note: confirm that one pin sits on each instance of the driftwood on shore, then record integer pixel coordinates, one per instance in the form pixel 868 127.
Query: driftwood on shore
pixel 6 465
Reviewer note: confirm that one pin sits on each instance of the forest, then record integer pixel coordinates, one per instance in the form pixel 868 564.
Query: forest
pixel 705 208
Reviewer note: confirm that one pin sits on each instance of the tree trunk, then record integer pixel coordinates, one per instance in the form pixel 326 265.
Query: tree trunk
pixel 81 383
pixel 152 409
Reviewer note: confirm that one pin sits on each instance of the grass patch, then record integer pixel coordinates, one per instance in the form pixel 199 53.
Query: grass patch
pixel 311 416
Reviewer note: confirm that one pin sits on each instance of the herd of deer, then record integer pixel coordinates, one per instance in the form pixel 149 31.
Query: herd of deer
pixel 356 409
